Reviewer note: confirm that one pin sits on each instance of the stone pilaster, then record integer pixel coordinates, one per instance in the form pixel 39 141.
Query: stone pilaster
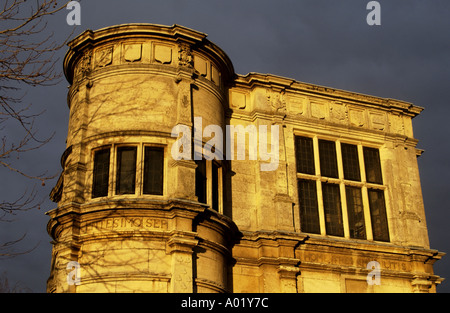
pixel 180 246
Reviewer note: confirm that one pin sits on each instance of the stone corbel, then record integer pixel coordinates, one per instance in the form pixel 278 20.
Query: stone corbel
pixel 421 284
pixel 182 242
pixel 288 271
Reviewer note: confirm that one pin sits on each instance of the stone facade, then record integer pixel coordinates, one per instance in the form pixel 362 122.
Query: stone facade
pixel 131 84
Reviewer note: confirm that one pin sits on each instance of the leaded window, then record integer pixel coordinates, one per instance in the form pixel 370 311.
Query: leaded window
pixel 201 181
pixel 100 181
pixel 340 190
pixel 208 183
pixel 332 209
pixel 355 211
pixel 138 169
pixel 126 170
pixel 373 166
pixel 153 171
pixel 304 155
pixel 309 212
pixel 328 161
pixel 378 215
pixel 350 162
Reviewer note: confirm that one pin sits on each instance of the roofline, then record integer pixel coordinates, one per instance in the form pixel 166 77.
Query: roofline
pixel 253 79
pixel 176 32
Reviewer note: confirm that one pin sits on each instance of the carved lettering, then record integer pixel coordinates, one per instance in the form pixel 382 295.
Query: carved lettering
pixel 348 260
pixel 126 223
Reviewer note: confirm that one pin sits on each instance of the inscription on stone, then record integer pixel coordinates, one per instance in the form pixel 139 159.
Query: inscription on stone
pixel 348 260
pixel 126 223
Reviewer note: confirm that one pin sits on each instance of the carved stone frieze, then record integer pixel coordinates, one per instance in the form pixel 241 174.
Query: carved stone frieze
pixel 338 111
pixel 277 101
pixel 132 52
pixel 104 57
pixel 163 54
pixel 185 57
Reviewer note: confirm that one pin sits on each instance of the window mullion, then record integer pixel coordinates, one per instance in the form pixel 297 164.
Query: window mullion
pixel 339 160
pixel 112 170
pixel 323 229
pixel 220 191
pixel 342 189
pixel 316 155
pixel 365 196
pixel 367 218
pixel 319 186
pixel 344 210
pixel 209 196
pixel 139 169
pixel 361 162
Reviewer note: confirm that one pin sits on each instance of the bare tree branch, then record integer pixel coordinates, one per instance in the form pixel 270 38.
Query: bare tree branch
pixel 5 286
pixel 27 59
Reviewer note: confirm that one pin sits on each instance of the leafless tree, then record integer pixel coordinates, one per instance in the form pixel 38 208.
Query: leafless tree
pixel 6 287
pixel 27 59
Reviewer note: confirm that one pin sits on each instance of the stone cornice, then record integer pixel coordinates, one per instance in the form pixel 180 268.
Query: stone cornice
pixel 175 33
pixel 279 83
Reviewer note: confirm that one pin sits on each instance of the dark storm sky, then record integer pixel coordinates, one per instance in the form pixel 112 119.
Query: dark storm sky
pixel 324 42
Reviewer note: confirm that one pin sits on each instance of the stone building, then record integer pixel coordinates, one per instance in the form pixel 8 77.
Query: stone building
pixel 323 195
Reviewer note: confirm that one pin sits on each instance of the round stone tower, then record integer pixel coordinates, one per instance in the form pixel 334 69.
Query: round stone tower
pixel 131 217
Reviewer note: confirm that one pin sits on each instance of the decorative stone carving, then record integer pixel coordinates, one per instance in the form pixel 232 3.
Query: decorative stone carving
pixel 104 57
pixel 357 117
pixel 215 75
pixel 396 124
pixel 338 111
pixel 163 54
pixel 84 68
pixel 184 102
pixel 284 218
pixel 277 101
pixel 295 105
pixel 318 110
pixel 182 278
pixel 200 65
pixel 378 121
pixel 238 100
pixel 185 55
pixel 132 52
